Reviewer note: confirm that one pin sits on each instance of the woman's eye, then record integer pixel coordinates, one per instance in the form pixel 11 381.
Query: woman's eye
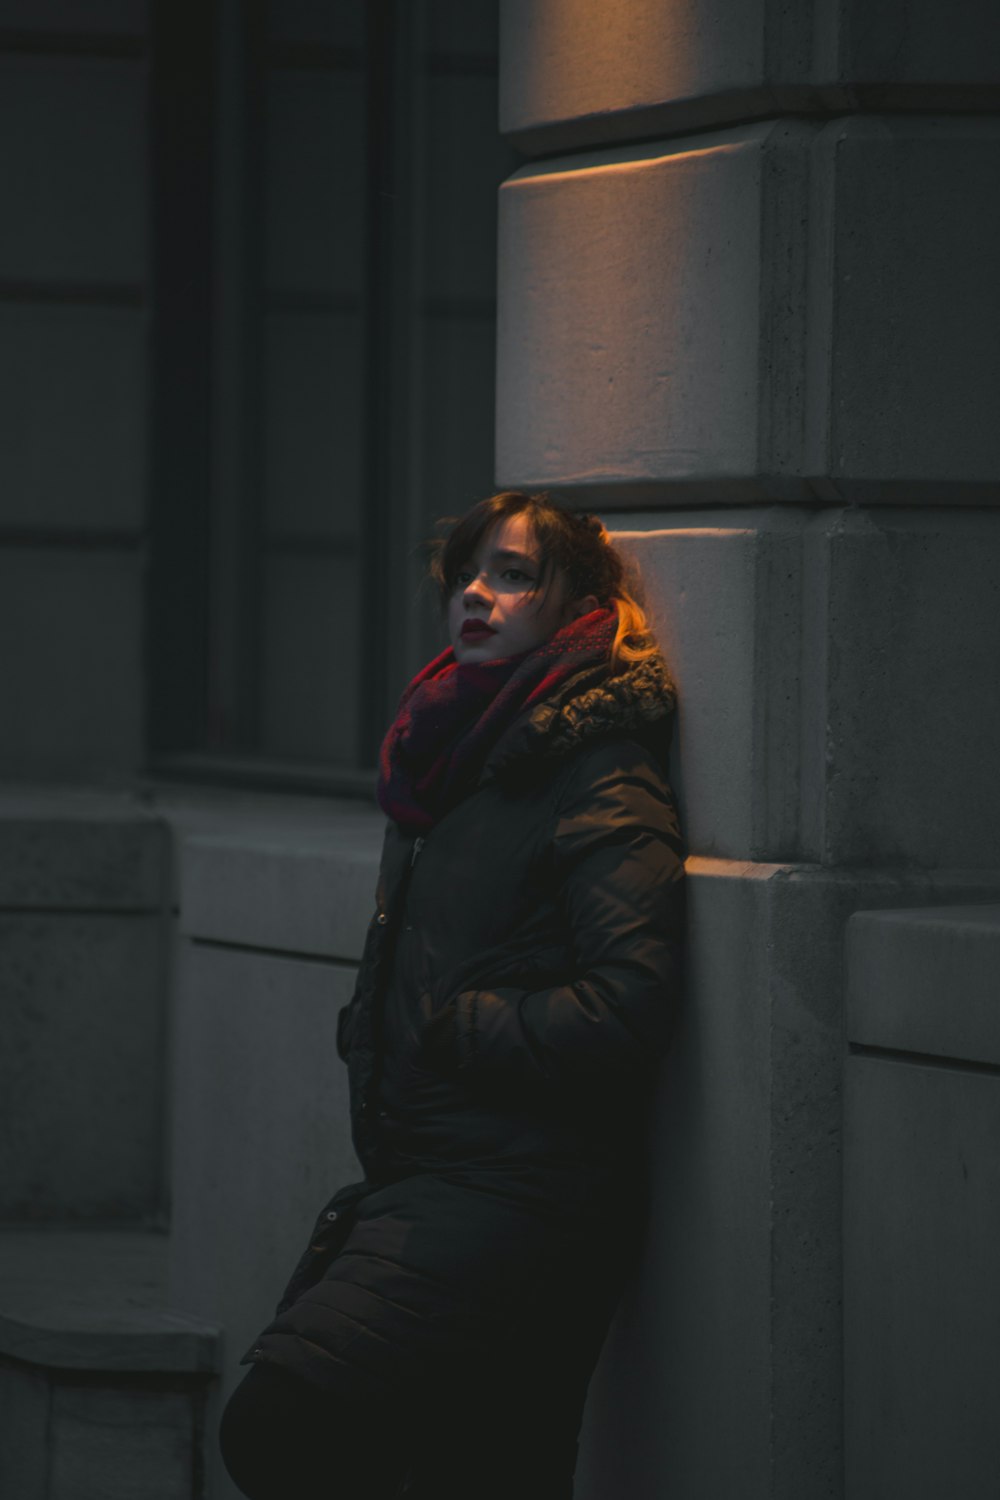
pixel 517 574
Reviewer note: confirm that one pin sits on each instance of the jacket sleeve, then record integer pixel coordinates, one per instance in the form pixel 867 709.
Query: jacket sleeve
pixel 345 1021
pixel 617 864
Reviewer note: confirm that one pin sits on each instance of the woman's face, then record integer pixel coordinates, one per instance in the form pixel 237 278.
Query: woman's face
pixel 491 613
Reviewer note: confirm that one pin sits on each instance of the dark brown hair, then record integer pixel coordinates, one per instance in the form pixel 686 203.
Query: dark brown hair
pixel 573 543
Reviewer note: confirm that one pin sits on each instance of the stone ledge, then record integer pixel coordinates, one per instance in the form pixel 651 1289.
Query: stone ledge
pixel 79 848
pixel 925 981
pixel 96 1300
pixel 74 847
pixel 290 889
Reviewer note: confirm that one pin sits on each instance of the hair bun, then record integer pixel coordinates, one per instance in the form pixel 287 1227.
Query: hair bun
pixel 595 524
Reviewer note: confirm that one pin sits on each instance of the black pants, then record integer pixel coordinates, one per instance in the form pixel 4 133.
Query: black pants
pixel 505 1428
pixel 500 1434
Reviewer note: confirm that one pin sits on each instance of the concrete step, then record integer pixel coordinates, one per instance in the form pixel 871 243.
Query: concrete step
pixel 103 1387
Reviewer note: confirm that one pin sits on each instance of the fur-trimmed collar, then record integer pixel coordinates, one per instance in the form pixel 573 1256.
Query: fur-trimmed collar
pixel 636 701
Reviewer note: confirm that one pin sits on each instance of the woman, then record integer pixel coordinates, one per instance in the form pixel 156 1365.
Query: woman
pixel 517 987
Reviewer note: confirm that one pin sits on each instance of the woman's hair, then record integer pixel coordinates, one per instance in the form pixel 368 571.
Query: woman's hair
pixel 571 542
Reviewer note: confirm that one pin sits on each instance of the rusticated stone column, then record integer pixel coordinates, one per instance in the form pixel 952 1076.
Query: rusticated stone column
pixel 748 312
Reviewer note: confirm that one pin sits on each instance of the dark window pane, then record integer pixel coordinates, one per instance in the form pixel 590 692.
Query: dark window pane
pixel 312 634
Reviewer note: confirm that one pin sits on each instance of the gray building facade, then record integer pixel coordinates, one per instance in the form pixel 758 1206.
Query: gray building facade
pixel 276 293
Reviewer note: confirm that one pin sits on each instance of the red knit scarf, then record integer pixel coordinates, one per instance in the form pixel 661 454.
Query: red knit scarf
pixel 453 713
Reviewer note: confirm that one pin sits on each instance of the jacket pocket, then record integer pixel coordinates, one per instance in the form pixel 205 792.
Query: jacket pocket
pixel 524 968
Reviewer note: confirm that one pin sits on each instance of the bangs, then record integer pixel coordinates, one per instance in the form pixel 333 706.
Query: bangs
pixel 465 537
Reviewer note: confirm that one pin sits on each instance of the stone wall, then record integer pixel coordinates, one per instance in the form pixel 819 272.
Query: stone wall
pixel 74 323
pixel 747 312
pixel 84 978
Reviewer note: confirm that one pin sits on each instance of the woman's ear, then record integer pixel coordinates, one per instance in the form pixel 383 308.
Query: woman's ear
pixel 580 607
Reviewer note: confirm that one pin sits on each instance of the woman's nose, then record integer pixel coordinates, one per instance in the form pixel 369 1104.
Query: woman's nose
pixel 476 588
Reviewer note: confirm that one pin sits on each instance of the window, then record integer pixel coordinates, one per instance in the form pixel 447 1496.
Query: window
pixel 326 179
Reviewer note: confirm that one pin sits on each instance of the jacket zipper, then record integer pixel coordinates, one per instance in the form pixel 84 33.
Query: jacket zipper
pixel 418 844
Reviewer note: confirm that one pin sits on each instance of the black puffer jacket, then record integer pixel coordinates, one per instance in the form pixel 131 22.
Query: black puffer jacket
pixel 545 909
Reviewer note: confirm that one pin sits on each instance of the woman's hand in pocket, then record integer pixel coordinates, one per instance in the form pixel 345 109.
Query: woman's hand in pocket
pixel 439 1036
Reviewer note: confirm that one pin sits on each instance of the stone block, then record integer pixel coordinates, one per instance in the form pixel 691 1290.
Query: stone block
pixel 288 888
pixel 239 816
pixel 137 1444
pixel 73 694
pixel 314 197
pixel 716 594
pixel 912 221
pixel 76 168
pixel 662 1392
pixel 313 425
pixel 731 1323
pixel 768 313
pixel 558 90
pixel 24 1427
pixel 261 1135
pixel 912 645
pixel 644 273
pixel 67 848
pixel 917 56
pixel 921 1300
pixel 72 417
pixel 831 672
pixel 80 1067
pixel 926 981
pixel 686 64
